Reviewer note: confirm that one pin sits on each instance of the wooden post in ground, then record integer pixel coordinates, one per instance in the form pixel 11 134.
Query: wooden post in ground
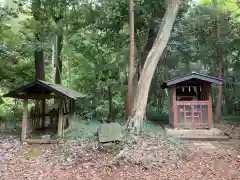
pixel 60 119
pixel 175 108
pixel 210 116
pixel 24 119
pixel 43 104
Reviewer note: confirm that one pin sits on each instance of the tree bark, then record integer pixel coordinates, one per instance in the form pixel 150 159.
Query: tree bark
pixel 135 123
pixel 220 69
pixel 153 28
pixel 39 63
pixel 220 87
pixel 39 55
pixel 110 113
pixel 58 65
pixel 142 53
pixel 38 52
pixel 58 17
pixel 131 58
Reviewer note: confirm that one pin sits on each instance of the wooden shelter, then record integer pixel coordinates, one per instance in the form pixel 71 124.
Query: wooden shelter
pixel 38 92
pixel 190 100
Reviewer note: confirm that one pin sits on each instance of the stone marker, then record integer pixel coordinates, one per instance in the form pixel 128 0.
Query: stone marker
pixel 203 145
pixel 109 132
pixel 46 137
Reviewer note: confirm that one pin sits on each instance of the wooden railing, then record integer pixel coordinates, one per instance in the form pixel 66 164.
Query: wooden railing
pixel 192 113
pixel 191 103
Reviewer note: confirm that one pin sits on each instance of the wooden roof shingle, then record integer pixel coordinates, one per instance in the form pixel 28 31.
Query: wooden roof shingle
pixel 44 88
pixel 193 75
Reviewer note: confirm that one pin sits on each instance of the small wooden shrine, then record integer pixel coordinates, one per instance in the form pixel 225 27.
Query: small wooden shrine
pixel 42 116
pixel 190 101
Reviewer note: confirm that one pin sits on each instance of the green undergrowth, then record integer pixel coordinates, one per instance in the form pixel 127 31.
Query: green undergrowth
pixel 35 153
pixel 151 126
pixel 87 130
pixel 156 116
pixel 232 119
pixel 10 124
pixel 83 130
pixel 175 140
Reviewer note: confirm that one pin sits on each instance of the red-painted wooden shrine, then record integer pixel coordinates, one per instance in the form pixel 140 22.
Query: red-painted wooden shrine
pixel 190 101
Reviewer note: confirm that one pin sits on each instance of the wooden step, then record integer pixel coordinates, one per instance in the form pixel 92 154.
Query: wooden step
pixel 205 138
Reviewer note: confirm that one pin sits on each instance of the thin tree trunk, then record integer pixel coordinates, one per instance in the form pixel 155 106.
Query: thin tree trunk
pixel 131 58
pixel 140 102
pixel 110 113
pixel 58 72
pixel 220 70
pixel 220 88
pixel 165 73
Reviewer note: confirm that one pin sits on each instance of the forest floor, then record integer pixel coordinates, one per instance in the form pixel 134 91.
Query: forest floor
pixel 153 157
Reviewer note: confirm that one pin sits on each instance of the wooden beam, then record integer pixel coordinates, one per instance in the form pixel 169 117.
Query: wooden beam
pixel 38 97
pixel 43 106
pixel 40 141
pixel 193 119
pixel 24 119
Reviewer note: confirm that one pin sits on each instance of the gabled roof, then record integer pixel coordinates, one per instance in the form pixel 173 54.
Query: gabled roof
pixel 193 75
pixel 45 88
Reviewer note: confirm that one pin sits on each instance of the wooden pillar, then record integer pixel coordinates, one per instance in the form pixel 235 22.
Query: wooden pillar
pixel 210 117
pixel 72 114
pixel 60 119
pixel 193 119
pixel 43 103
pixel 71 111
pixel 24 119
pixel 175 118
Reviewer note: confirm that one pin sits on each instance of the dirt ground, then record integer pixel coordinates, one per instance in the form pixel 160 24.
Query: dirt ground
pixel 153 157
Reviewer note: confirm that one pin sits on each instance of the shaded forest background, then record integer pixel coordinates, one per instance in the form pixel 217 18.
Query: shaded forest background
pixel 85 46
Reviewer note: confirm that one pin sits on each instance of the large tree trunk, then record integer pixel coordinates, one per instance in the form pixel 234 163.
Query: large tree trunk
pixel 39 55
pixel 38 52
pixel 135 123
pixel 39 64
pixel 143 50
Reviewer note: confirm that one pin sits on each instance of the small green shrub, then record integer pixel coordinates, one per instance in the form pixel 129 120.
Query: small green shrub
pixel 33 154
pixel 10 113
pixel 232 119
pixel 155 116
pixel 83 130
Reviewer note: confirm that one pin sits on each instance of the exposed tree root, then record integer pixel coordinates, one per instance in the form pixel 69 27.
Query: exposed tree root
pixel 135 123
pixel 131 134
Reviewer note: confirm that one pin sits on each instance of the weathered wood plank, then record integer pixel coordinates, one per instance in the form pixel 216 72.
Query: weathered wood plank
pixel 60 120
pixel 24 120
pixel 40 141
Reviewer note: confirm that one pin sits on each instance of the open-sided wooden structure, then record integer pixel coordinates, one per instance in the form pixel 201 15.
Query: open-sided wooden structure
pixel 190 100
pixel 36 119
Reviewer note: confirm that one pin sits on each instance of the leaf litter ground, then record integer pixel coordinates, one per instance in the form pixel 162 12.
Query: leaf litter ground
pixel 153 157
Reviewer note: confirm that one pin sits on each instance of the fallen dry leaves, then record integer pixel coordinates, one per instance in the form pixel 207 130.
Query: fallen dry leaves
pixel 151 158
